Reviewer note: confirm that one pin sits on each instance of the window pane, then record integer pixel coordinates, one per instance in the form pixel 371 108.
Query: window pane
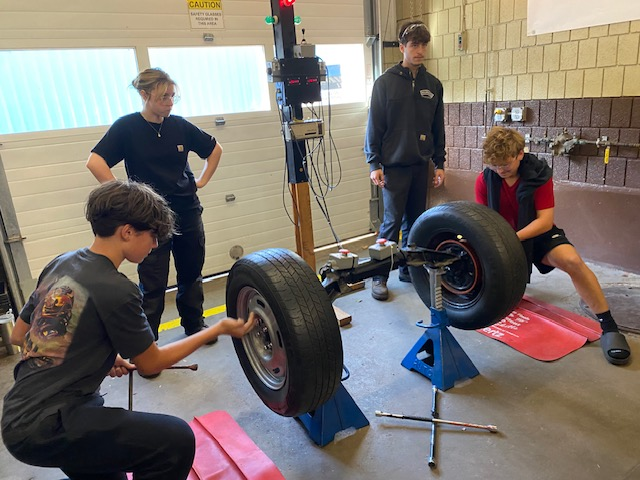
pixel 216 80
pixel 345 73
pixel 71 88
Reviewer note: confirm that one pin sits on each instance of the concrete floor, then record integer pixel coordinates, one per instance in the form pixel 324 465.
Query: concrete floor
pixel 576 417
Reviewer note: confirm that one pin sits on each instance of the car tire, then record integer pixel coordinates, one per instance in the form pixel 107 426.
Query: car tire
pixel 490 278
pixel 293 356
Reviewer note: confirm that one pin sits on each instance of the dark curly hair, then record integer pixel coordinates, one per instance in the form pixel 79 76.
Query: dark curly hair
pixel 122 202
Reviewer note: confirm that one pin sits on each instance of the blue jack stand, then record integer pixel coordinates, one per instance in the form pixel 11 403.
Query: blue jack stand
pixel 437 355
pixel 339 413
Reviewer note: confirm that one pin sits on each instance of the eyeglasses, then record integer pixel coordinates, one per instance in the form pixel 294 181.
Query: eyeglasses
pixel 167 97
pixel 504 165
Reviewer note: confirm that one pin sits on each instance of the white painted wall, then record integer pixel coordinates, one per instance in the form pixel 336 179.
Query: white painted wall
pixel 548 16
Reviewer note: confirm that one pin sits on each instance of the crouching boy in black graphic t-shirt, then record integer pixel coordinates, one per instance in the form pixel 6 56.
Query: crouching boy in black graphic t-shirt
pixel 79 324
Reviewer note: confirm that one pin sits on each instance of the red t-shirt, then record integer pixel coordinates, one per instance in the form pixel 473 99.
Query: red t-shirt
pixel 542 198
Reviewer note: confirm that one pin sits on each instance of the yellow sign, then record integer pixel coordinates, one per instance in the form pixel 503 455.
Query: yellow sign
pixel 205 14
pixel 204 5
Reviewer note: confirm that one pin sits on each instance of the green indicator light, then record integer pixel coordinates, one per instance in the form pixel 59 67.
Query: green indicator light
pixel 269 20
pixel 297 20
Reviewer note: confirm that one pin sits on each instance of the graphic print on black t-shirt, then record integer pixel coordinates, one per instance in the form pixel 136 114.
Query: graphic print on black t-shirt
pixel 53 323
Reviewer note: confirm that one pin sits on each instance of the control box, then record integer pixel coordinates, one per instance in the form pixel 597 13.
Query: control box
pixel 501 114
pixel 343 260
pixel 304 129
pixel 460 42
pixel 383 249
pixel 297 78
pixel 304 50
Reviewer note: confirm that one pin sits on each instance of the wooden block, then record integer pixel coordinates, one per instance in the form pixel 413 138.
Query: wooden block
pixel 343 317
pixel 356 286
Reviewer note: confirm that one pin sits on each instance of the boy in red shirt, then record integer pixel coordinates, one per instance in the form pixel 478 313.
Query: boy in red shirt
pixel 520 187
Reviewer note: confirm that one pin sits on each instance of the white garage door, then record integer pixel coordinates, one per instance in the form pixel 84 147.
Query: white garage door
pixel 45 170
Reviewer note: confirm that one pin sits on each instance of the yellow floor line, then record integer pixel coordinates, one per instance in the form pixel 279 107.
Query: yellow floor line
pixel 176 322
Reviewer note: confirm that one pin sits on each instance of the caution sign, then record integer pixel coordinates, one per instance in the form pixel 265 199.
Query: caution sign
pixel 205 14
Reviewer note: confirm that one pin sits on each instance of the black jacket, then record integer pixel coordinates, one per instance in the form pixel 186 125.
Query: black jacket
pixel 406 120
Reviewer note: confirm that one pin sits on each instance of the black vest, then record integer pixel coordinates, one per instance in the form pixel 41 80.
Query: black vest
pixel 533 174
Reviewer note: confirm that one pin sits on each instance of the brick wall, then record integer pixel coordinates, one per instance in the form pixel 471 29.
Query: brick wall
pixel 587 118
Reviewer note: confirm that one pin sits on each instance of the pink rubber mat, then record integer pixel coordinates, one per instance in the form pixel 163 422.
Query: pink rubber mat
pixel 224 451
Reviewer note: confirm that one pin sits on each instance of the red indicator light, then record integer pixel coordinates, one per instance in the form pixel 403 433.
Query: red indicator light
pixel 312 80
pixel 287 3
pixel 294 81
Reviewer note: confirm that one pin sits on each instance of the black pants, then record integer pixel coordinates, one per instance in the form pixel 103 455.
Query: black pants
pixel 188 257
pixel 405 198
pixel 91 442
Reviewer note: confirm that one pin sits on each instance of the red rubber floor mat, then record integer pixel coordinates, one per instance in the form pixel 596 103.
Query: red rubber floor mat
pixel 586 326
pixel 225 452
pixel 543 331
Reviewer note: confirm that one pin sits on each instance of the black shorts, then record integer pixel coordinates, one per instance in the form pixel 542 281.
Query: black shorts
pixel 543 244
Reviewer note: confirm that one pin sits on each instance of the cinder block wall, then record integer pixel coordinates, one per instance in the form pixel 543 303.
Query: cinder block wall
pixel 586 81
pixel 599 61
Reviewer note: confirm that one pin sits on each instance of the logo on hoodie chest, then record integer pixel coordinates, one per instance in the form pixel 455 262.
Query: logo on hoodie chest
pixel 426 93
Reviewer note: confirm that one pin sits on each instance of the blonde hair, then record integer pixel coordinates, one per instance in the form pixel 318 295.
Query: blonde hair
pixel 151 79
pixel 501 144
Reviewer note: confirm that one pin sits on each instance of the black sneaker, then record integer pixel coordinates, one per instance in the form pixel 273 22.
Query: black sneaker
pixel 204 325
pixel 379 289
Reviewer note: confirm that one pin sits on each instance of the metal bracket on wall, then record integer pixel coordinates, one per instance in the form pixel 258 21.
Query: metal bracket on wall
pixel 564 142
pixel 13 257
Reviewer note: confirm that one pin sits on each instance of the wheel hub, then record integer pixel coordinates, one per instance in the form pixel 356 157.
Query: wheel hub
pixel 263 344
pixel 461 277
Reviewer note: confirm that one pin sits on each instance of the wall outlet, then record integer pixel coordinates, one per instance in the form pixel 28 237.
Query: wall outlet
pixel 518 114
